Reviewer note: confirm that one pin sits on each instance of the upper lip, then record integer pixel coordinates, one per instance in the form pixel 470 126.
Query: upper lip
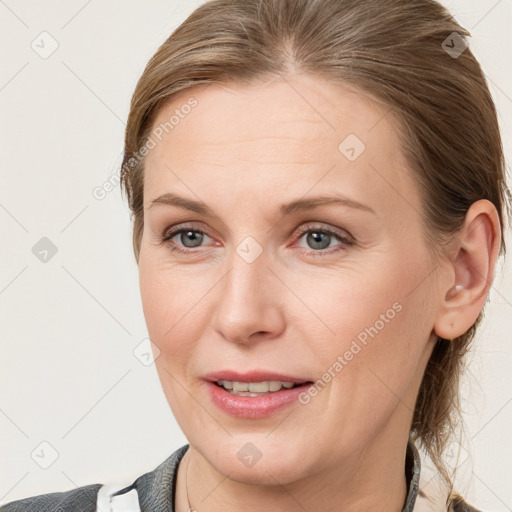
pixel 253 376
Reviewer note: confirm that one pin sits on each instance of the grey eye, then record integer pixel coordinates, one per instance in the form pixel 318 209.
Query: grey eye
pixel 194 237
pixel 318 239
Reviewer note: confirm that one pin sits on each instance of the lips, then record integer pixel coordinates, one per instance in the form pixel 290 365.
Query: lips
pixel 255 376
pixel 254 407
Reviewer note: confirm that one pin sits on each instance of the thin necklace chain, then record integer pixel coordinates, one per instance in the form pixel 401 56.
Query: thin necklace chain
pixel 190 509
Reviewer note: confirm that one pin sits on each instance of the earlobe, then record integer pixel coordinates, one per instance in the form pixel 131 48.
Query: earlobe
pixel 472 271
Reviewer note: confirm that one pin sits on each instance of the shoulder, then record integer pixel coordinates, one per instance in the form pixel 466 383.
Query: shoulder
pixel 82 499
pixel 151 490
pixel 156 489
pixel 457 504
pixel 432 503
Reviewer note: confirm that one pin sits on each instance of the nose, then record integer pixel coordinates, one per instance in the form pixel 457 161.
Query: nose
pixel 250 301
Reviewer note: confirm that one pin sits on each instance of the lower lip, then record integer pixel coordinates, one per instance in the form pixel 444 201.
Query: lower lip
pixel 253 406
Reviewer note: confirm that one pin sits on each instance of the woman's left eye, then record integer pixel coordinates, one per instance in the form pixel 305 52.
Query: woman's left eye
pixel 320 239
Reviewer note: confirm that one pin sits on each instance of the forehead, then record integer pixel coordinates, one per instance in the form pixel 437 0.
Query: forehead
pixel 281 107
pixel 290 134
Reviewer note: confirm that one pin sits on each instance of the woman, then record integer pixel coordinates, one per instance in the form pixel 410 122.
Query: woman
pixel 318 197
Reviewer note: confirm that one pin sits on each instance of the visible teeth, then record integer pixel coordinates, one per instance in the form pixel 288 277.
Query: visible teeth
pixel 240 386
pixel 259 387
pixel 274 385
pixel 254 388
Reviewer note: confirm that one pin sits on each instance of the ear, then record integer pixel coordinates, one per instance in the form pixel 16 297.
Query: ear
pixel 471 273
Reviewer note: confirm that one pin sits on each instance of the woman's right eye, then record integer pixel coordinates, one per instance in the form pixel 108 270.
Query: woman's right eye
pixel 186 235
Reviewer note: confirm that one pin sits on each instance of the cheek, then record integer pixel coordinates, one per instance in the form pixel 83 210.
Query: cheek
pixel 168 310
pixel 372 328
pixel 168 304
pixel 346 302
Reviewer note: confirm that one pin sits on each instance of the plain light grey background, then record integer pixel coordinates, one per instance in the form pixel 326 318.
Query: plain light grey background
pixel 79 401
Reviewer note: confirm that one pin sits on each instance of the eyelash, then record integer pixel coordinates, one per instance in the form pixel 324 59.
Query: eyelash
pixel 346 241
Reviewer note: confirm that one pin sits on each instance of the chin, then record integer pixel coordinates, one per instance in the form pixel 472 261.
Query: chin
pixel 255 460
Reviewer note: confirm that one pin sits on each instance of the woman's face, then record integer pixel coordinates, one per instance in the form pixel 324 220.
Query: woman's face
pixel 342 293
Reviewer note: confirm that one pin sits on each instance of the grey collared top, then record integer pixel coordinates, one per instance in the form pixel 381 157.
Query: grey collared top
pixel 155 492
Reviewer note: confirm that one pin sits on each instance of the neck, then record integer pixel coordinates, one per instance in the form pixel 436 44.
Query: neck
pixel 372 478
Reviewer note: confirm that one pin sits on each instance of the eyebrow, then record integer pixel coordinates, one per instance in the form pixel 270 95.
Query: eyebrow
pixel 285 209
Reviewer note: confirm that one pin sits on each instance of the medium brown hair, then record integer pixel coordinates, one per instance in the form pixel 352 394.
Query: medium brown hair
pixel 393 50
